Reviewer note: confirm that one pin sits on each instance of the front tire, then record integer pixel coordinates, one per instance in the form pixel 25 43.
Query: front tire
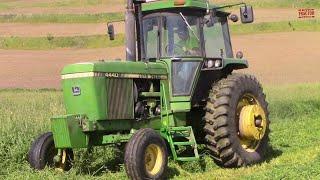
pixel 146 155
pixel 237 122
pixel 43 152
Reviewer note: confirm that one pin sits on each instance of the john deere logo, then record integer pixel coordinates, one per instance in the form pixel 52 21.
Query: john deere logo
pixel 76 91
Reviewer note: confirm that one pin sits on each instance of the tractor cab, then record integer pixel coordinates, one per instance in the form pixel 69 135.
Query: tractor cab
pixel 191 36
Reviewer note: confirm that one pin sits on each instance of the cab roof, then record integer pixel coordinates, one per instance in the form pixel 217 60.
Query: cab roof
pixel 171 4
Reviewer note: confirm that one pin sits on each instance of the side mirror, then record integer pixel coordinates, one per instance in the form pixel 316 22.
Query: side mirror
pixel 111 31
pixel 246 13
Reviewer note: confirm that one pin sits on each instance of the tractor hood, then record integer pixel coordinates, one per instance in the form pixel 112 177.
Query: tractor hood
pixel 105 90
pixel 125 67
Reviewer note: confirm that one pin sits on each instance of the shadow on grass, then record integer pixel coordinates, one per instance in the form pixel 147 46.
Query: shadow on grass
pixel 172 172
pixel 96 163
pixel 272 153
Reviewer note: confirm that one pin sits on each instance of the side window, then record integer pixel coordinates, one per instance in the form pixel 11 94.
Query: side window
pixel 151 37
pixel 217 41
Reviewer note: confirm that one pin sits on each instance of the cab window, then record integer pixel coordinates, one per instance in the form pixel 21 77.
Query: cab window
pixel 217 38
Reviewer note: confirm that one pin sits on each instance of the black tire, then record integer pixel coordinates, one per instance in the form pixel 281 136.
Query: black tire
pixel 222 121
pixel 42 152
pixel 135 155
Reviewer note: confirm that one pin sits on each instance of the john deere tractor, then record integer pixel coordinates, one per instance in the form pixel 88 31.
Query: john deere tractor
pixel 175 90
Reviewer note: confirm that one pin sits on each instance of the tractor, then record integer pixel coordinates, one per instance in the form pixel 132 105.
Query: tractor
pixel 176 90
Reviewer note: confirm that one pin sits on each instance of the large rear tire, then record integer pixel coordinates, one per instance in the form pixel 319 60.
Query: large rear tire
pixel 237 122
pixel 146 155
pixel 43 152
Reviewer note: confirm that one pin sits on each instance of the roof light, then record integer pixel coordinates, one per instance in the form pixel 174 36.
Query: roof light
pixel 179 2
pixel 147 1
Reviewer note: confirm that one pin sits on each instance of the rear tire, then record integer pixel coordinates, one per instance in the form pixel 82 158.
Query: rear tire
pixel 228 102
pixel 146 155
pixel 43 151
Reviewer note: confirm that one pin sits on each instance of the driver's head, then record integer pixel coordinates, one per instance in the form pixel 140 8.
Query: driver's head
pixel 183 32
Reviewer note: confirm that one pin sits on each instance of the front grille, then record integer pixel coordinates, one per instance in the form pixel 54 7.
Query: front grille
pixel 120 98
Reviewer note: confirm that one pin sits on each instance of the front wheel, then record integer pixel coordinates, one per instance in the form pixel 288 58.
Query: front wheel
pixel 43 153
pixel 146 155
pixel 237 123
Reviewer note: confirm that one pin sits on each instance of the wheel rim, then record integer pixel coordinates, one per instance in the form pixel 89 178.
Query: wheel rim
pixel 61 164
pixel 153 159
pixel 252 122
pixel 58 160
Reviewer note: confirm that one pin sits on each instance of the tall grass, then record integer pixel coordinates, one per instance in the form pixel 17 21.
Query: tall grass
pixel 294 152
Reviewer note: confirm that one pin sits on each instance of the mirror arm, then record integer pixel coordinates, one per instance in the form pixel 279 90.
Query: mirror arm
pixel 231 5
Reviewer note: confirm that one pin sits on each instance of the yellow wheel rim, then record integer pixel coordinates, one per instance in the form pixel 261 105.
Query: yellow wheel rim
pixel 153 159
pixel 252 122
pixel 60 166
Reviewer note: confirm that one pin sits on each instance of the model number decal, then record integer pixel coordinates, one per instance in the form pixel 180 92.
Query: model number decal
pixel 140 76
pixel 113 75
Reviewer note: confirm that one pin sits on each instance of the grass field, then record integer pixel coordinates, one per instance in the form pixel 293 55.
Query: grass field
pixel 83 3
pixel 61 18
pixel 294 152
pixel 275 3
pixel 51 42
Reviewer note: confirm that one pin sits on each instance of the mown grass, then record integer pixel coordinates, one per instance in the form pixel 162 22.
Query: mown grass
pixel 294 139
pixel 102 41
pixel 61 18
pixel 51 42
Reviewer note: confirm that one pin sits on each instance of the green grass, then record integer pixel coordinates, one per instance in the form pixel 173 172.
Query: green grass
pixel 276 3
pixel 295 140
pixel 61 18
pixel 282 26
pixel 50 42
pixel 85 3
pixel 102 41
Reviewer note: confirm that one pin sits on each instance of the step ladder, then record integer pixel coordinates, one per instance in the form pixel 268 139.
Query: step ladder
pixel 182 136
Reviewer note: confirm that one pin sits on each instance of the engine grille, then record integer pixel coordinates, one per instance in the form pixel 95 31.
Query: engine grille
pixel 120 98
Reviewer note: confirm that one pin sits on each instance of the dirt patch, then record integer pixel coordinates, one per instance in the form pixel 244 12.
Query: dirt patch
pixel 275 58
pixel 41 69
pixel 279 58
pixel 40 30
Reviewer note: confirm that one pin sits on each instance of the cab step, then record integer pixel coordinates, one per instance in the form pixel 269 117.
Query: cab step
pixel 182 136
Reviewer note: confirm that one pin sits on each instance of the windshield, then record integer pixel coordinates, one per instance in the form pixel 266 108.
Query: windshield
pixel 179 36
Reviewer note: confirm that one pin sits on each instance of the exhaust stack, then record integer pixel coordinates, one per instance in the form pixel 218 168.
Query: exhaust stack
pixel 130 32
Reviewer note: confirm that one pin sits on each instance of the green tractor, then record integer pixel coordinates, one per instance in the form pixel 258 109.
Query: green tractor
pixel 175 91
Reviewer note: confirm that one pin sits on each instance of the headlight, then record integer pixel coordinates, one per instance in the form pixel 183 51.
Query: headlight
pixel 218 63
pixel 211 64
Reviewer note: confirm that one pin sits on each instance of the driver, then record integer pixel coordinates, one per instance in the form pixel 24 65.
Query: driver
pixel 186 45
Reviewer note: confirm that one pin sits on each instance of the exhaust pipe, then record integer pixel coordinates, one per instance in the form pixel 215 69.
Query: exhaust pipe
pixel 130 32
